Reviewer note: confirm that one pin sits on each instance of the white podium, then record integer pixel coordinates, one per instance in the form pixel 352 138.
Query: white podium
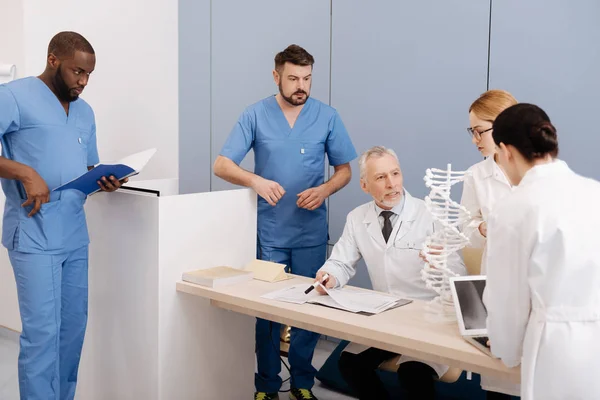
pixel 144 340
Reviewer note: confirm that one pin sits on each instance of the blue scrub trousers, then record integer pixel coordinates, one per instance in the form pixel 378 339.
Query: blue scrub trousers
pixel 304 261
pixel 53 300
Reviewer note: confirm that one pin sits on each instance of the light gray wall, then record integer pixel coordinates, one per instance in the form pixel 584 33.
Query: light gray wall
pixel 547 52
pixel 403 75
pixel 195 169
pixel 246 35
pixel 226 51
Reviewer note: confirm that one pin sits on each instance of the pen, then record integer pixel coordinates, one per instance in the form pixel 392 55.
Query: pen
pixel 314 285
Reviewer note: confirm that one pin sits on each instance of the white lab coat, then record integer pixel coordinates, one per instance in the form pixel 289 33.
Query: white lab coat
pixel 482 189
pixel 543 283
pixel 394 267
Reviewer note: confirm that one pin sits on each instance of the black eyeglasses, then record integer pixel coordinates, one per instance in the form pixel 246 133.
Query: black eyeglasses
pixel 476 134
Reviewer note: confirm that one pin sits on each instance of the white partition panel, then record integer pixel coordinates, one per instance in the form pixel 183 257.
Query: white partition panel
pixel 198 343
pixel 144 340
pixel 119 359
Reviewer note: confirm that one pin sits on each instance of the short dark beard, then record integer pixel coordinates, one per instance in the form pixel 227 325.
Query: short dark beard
pixel 62 90
pixel 291 100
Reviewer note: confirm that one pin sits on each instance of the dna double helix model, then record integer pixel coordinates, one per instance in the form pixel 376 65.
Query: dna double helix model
pixel 449 217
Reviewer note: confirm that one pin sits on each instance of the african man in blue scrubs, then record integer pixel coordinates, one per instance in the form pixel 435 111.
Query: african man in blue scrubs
pixel 290 134
pixel 48 137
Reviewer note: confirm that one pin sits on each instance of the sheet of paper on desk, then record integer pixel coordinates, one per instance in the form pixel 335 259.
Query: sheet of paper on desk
pixel 370 302
pixel 346 299
pixel 328 301
pixel 292 294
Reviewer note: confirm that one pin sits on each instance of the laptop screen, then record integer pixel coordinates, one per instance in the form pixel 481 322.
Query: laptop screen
pixel 469 293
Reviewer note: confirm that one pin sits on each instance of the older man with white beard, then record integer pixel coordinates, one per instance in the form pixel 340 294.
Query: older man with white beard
pixel 388 233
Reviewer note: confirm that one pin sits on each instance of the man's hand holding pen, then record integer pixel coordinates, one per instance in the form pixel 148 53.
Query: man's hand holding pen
pixel 325 279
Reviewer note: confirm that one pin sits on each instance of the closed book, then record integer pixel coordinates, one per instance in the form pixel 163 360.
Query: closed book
pixel 217 276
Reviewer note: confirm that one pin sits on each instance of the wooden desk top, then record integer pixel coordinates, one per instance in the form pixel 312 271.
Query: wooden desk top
pixel 404 330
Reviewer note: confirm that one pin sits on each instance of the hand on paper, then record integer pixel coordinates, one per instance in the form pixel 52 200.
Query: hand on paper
pixel 271 191
pixel 111 183
pixel 312 198
pixel 330 283
pixel 483 229
pixel 37 191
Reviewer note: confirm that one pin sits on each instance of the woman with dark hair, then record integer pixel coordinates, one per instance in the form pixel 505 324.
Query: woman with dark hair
pixel 484 187
pixel 543 268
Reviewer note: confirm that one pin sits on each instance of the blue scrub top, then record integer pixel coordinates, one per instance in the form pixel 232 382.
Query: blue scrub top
pixel 295 158
pixel 36 131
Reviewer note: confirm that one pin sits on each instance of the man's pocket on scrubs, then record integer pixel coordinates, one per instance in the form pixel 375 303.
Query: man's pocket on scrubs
pixel 313 156
pixel 83 139
pixel 43 231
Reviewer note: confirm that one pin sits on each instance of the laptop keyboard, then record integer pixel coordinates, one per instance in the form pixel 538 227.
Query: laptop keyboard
pixel 482 340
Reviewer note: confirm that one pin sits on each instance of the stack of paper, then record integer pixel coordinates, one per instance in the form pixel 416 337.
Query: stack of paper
pixel 267 271
pixel 217 276
pixel 348 299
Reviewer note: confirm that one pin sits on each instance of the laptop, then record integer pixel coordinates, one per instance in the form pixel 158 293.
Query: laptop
pixel 467 293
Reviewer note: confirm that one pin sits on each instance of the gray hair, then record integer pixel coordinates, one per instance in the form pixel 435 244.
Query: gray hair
pixel 376 151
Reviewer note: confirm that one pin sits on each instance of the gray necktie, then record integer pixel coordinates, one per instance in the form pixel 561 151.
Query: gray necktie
pixel 387 224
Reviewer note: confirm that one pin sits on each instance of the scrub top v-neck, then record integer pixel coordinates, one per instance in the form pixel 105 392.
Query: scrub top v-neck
pixel 295 158
pixel 36 131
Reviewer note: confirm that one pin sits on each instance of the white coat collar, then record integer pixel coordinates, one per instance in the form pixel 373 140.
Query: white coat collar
pixel 490 169
pixel 541 171
pixel 401 228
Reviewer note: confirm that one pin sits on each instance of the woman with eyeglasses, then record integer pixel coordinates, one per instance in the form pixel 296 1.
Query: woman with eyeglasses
pixel 543 267
pixel 487 182
pixel 482 189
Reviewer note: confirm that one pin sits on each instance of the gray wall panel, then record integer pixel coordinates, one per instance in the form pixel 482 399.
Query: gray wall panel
pixel 403 75
pixel 546 52
pixel 194 96
pixel 246 35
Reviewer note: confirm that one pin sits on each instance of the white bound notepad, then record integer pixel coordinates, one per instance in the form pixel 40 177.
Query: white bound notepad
pixel 217 276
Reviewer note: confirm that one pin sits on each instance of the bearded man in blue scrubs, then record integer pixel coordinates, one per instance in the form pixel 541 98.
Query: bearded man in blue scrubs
pixel 48 137
pixel 290 134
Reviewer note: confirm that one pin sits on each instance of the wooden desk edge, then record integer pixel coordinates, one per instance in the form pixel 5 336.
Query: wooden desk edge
pixel 266 311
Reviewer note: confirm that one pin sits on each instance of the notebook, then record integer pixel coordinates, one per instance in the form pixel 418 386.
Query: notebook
pixel 267 271
pixel 471 315
pixel 347 299
pixel 128 166
pixel 217 276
